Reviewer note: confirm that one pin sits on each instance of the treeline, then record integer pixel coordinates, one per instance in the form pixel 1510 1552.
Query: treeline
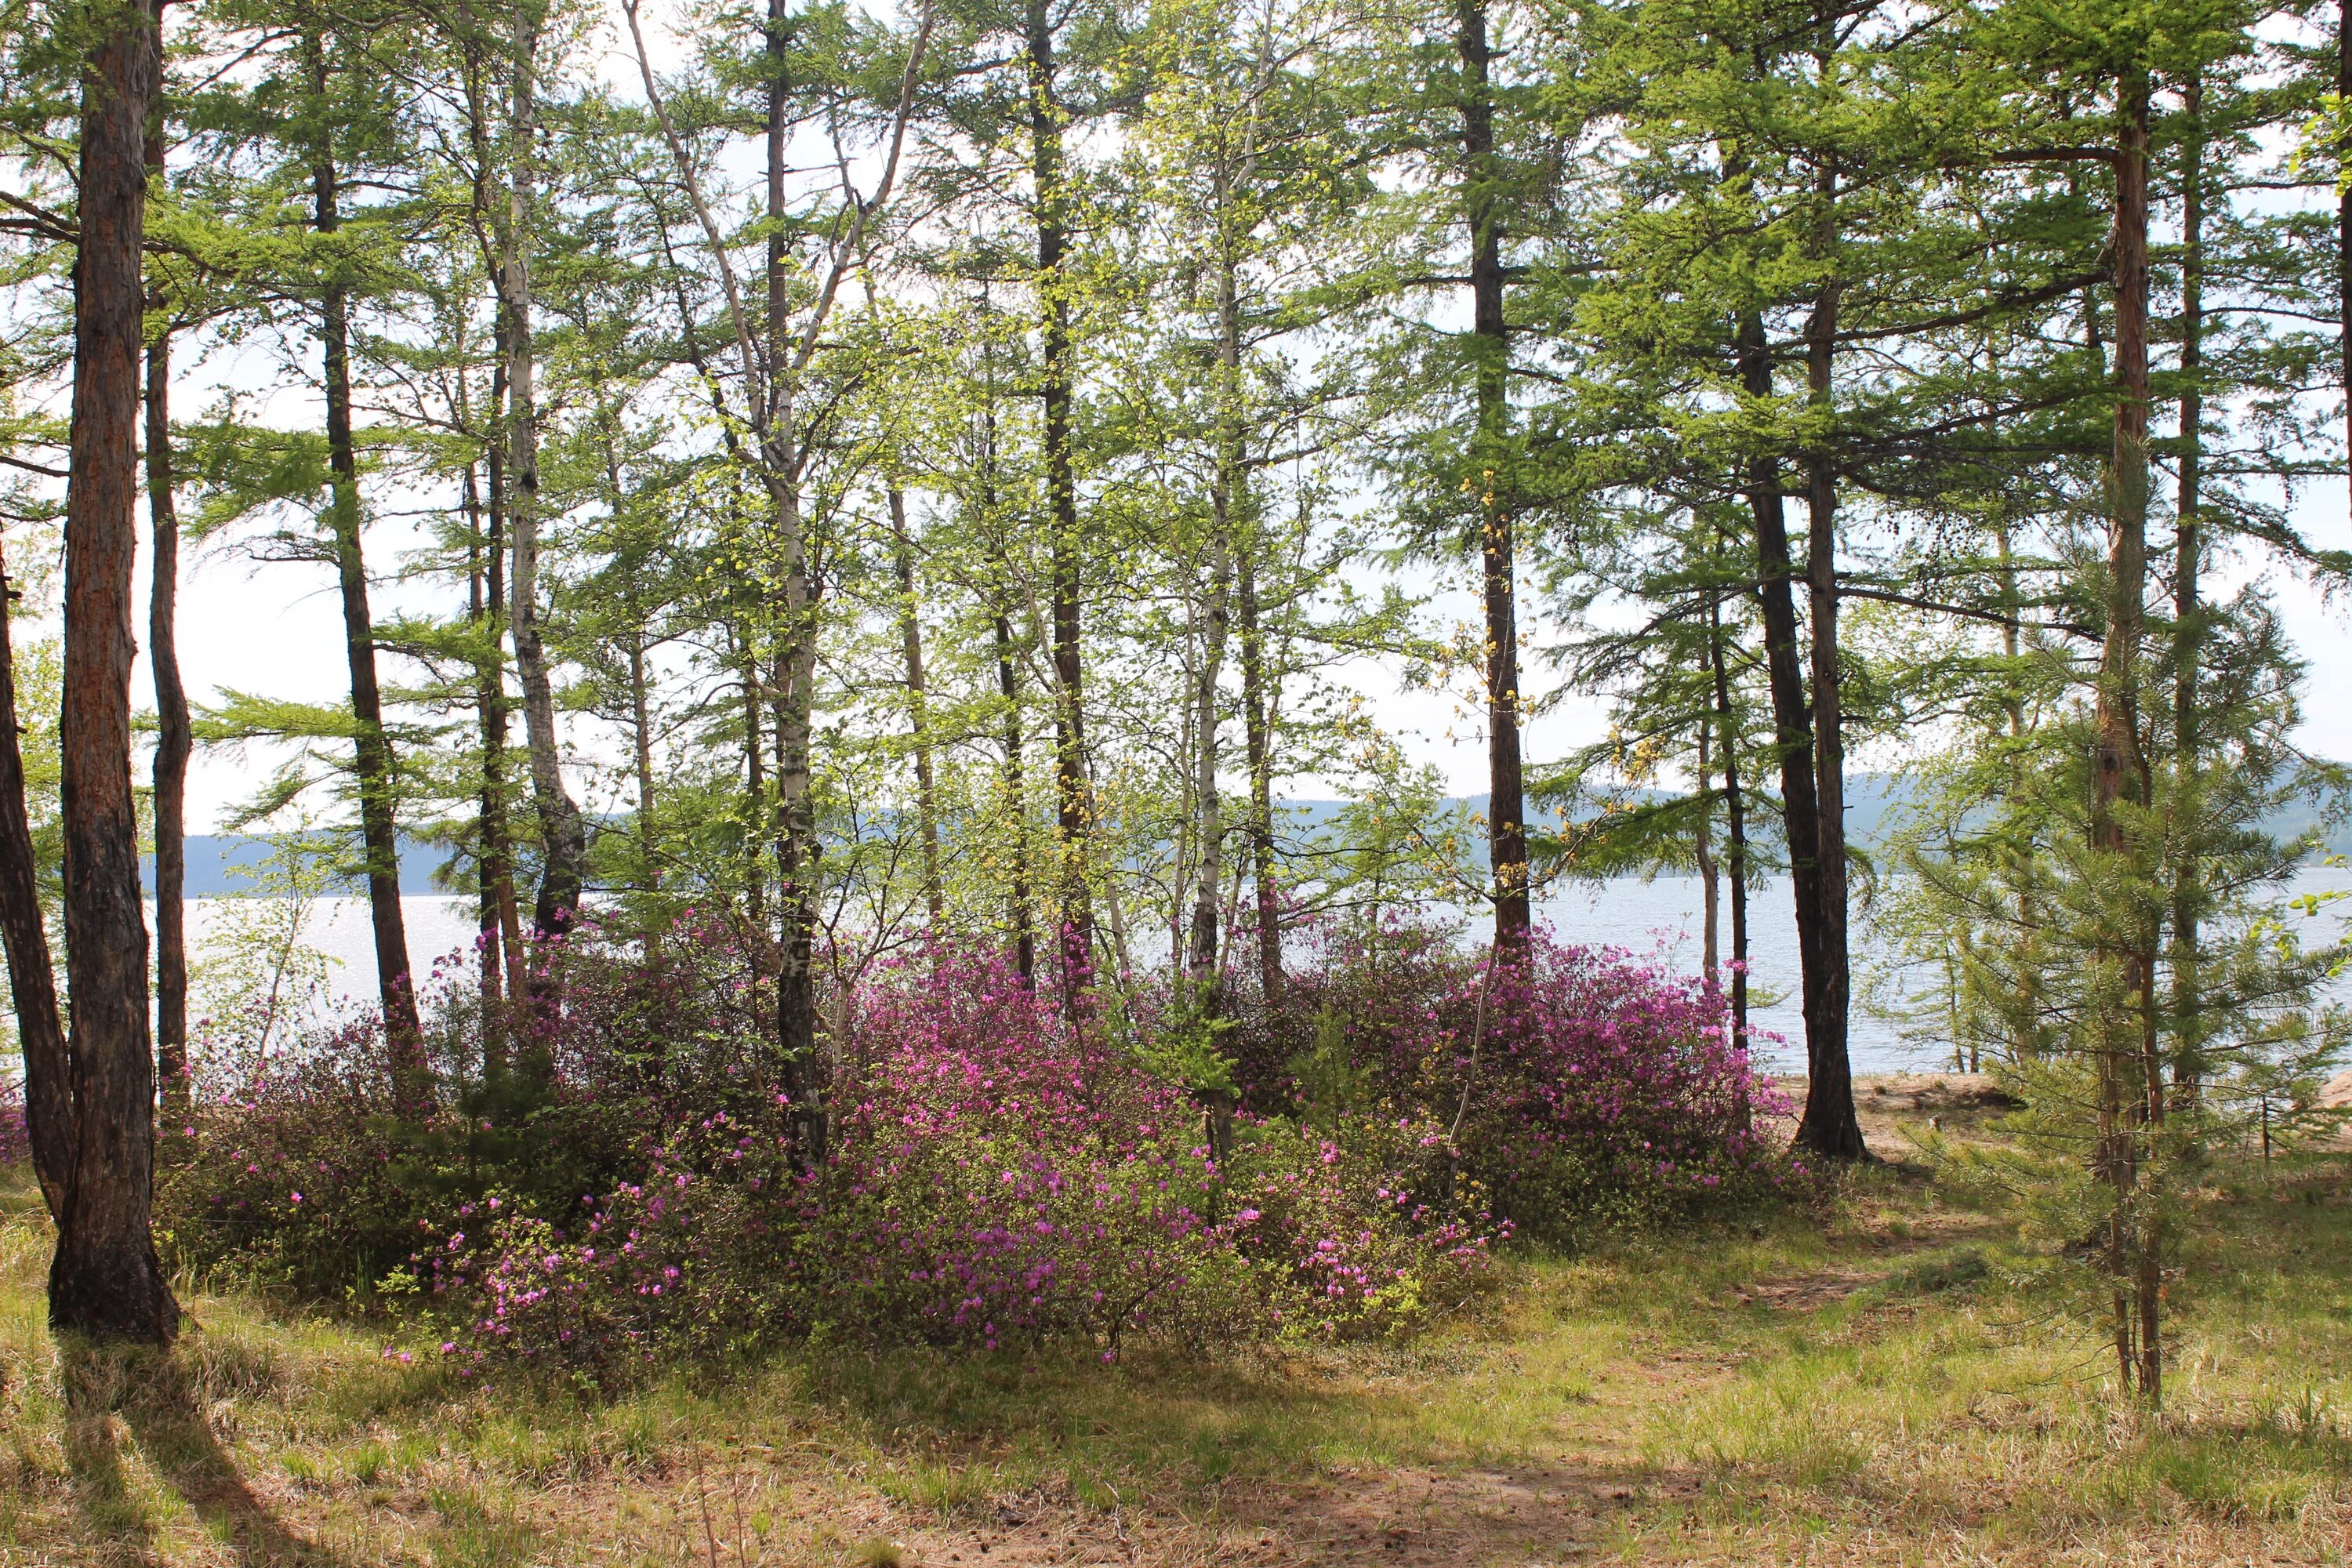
pixel 897 475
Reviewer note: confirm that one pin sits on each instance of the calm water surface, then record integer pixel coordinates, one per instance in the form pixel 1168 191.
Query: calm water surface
pixel 1660 916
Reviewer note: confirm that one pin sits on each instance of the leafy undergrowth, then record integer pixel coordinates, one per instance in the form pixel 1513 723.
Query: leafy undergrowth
pixel 1862 1384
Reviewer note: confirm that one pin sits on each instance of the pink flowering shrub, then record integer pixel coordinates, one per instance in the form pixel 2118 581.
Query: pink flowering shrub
pixel 994 1179
pixel 628 1189
pixel 1604 1089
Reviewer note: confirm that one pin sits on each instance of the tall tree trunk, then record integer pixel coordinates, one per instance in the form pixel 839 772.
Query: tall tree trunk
pixel 2187 614
pixel 378 790
pixel 503 952
pixel 106 1282
pixel 1507 830
pixel 32 978
pixel 174 741
pixel 1829 1126
pixel 563 836
pixel 1008 687
pixel 174 736
pixel 2115 761
pixel 1258 743
pixel 794 673
pixel 1703 850
pixel 489 945
pixel 1016 794
pixel 641 728
pixel 1791 724
pixel 1072 799
pixel 1735 823
pixel 911 637
pixel 1225 498
pixel 755 785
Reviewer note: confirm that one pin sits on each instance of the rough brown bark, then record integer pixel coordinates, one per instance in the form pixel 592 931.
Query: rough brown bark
pixel 396 988
pixel 106 1282
pixel 1072 799
pixel 1507 829
pixel 32 978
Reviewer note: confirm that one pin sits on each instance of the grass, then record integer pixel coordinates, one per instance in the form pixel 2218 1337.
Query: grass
pixel 1865 1382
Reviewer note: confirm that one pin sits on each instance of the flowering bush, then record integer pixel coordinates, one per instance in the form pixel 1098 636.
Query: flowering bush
pixel 628 1188
pixel 992 1178
pixel 1589 1087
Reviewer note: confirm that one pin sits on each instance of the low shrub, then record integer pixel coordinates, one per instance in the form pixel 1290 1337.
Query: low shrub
pixel 1580 1087
pixel 992 1179
pixel 994 1174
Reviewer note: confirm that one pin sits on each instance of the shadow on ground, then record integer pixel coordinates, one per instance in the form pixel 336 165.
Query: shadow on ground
pixel 121 1401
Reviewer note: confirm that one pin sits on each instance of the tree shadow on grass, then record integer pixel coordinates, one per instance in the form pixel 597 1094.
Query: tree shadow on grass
pixel 157 1399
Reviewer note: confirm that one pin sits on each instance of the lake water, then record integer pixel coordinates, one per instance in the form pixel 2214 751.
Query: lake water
pixel 1662 915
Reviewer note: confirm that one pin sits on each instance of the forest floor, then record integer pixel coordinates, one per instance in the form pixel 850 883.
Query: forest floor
pixel 1852 1383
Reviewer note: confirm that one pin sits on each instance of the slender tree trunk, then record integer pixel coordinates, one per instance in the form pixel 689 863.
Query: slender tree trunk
pixel 1225 497
pixel 106 1282
pixel 1257 742
pixel 1793 740
pixel 795 674
pixel 1016 794
pixel 2187 614
pixel 32 978
pixel 1008 687
pixel 501 919
pixel 1506 831
pixel 641 726
pixel 174 736
pixel 1793 732
pixel 1071 800
pixel 1735 824
pixel 910 636
pixel 1203 974
pixel 563 839
pixel 1829 1126
pixel 755 788
pixel 378 789
pixel 504 953
pixel 489 945
pixel 1703 849
pixel 174 741
pixel 2116 763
